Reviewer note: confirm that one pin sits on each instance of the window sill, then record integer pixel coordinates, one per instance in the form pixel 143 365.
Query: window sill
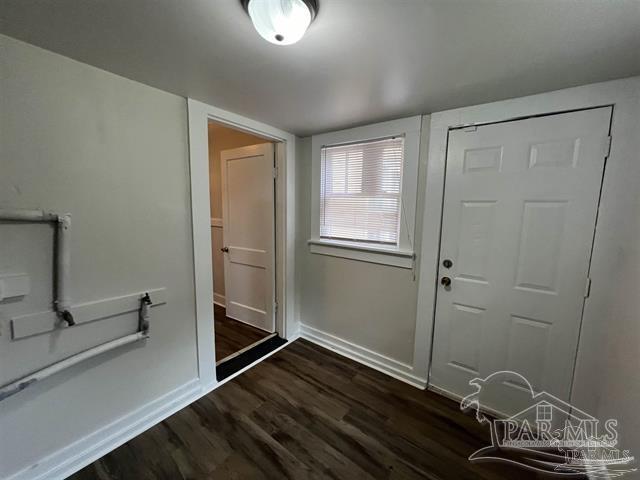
pixel 384 256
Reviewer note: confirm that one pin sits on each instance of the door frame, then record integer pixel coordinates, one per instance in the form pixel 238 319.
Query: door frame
pixel 199 114
pixel 619 95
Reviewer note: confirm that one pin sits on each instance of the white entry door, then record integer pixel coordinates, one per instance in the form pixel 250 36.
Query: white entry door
pixel 248 230
pixel 519 213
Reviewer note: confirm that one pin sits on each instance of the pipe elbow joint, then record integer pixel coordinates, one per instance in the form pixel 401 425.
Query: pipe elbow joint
pixel 67 317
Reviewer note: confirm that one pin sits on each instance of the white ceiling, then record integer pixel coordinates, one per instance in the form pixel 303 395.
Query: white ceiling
pixel 361 60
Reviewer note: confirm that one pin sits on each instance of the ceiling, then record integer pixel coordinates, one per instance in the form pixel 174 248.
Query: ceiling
pixel 361 60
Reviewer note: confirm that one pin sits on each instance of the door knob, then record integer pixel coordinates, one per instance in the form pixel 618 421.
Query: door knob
pixel 446 281
pixel 224 249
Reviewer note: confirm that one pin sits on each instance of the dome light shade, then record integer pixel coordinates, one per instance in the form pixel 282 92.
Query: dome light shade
pixel 281 22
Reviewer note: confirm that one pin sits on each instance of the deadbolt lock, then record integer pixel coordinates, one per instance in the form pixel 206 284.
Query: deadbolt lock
pixel 447 263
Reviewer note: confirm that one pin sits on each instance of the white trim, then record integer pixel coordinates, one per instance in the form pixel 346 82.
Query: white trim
pixel 216 222
pixel 409 127
pixel 620 93
pixel 90 448
pixel 361 252
pixel 362 246
pixel 394 368
pixel 284 271
pixel 219 300
pixel 72 458
pixel 199 115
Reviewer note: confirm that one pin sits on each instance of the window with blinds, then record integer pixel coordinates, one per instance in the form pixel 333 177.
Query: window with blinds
pixel 360 191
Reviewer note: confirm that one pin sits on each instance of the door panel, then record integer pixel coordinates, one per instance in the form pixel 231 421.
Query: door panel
pixel 519 214
pixel 248 219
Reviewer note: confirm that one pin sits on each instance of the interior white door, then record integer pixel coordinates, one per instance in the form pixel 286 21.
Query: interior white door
pixel 519 213
pixel 248 230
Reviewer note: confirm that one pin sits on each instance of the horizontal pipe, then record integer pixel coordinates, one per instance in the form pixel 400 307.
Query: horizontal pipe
pixel 22 215
pixel 24 382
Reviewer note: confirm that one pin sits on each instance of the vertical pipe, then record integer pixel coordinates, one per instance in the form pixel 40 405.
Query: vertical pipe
pixel 63 267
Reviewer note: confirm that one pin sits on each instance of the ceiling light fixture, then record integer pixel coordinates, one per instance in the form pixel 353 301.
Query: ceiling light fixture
pixel 281 22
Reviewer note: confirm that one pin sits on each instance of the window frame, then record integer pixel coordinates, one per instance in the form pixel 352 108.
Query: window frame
pixel 401 255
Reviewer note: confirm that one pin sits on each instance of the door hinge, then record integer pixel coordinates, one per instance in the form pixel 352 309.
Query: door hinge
pixel 275 172
pixel 607 147
pixel 275 308
pixel 470 128
pixel 587 287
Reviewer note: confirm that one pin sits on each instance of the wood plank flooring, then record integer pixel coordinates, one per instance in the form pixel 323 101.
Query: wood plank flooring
pixel 232 335
pixel 308 413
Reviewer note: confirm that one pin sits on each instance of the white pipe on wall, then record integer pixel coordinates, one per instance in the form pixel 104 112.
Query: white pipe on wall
pixel 24 382
pixel 62 302
pixel 22 215
pixel 63 267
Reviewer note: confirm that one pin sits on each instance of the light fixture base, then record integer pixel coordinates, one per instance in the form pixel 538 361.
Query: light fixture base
pixel 313 6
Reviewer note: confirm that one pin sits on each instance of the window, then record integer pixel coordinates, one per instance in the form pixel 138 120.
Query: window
pixel 544 413
pixel 360 191
pixel 364 192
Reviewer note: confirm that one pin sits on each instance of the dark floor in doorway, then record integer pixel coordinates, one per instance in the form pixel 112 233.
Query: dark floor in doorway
pixel 237 363
pixel 232 335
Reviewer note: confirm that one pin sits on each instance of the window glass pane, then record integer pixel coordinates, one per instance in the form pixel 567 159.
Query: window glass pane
pixel 360 191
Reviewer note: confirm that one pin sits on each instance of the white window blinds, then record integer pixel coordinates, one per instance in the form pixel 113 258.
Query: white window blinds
pixel 360 191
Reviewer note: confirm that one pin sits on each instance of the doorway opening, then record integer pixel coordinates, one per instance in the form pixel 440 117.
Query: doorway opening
pixel 242 192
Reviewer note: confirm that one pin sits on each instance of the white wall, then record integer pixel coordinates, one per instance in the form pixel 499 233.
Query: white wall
pixel 374 306
pixel 369 305
pixel 607 380
pixel 113 153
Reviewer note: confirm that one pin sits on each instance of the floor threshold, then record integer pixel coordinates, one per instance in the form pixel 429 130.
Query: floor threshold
pixel 248 347
pixel 245 357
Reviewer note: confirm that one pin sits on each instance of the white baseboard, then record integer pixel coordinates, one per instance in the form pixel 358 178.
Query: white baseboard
pixel 219 300
pixel 81 453
pixel 394 368
pixel 78 455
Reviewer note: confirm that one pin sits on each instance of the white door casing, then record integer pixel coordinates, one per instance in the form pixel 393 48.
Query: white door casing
pixel 519 212
pixel 248 219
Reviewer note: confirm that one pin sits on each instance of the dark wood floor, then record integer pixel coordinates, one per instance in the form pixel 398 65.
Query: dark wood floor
pixel 232 335
pixel 305 413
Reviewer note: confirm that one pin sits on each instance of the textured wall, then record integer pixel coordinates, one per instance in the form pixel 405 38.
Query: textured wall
pixel 113 153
